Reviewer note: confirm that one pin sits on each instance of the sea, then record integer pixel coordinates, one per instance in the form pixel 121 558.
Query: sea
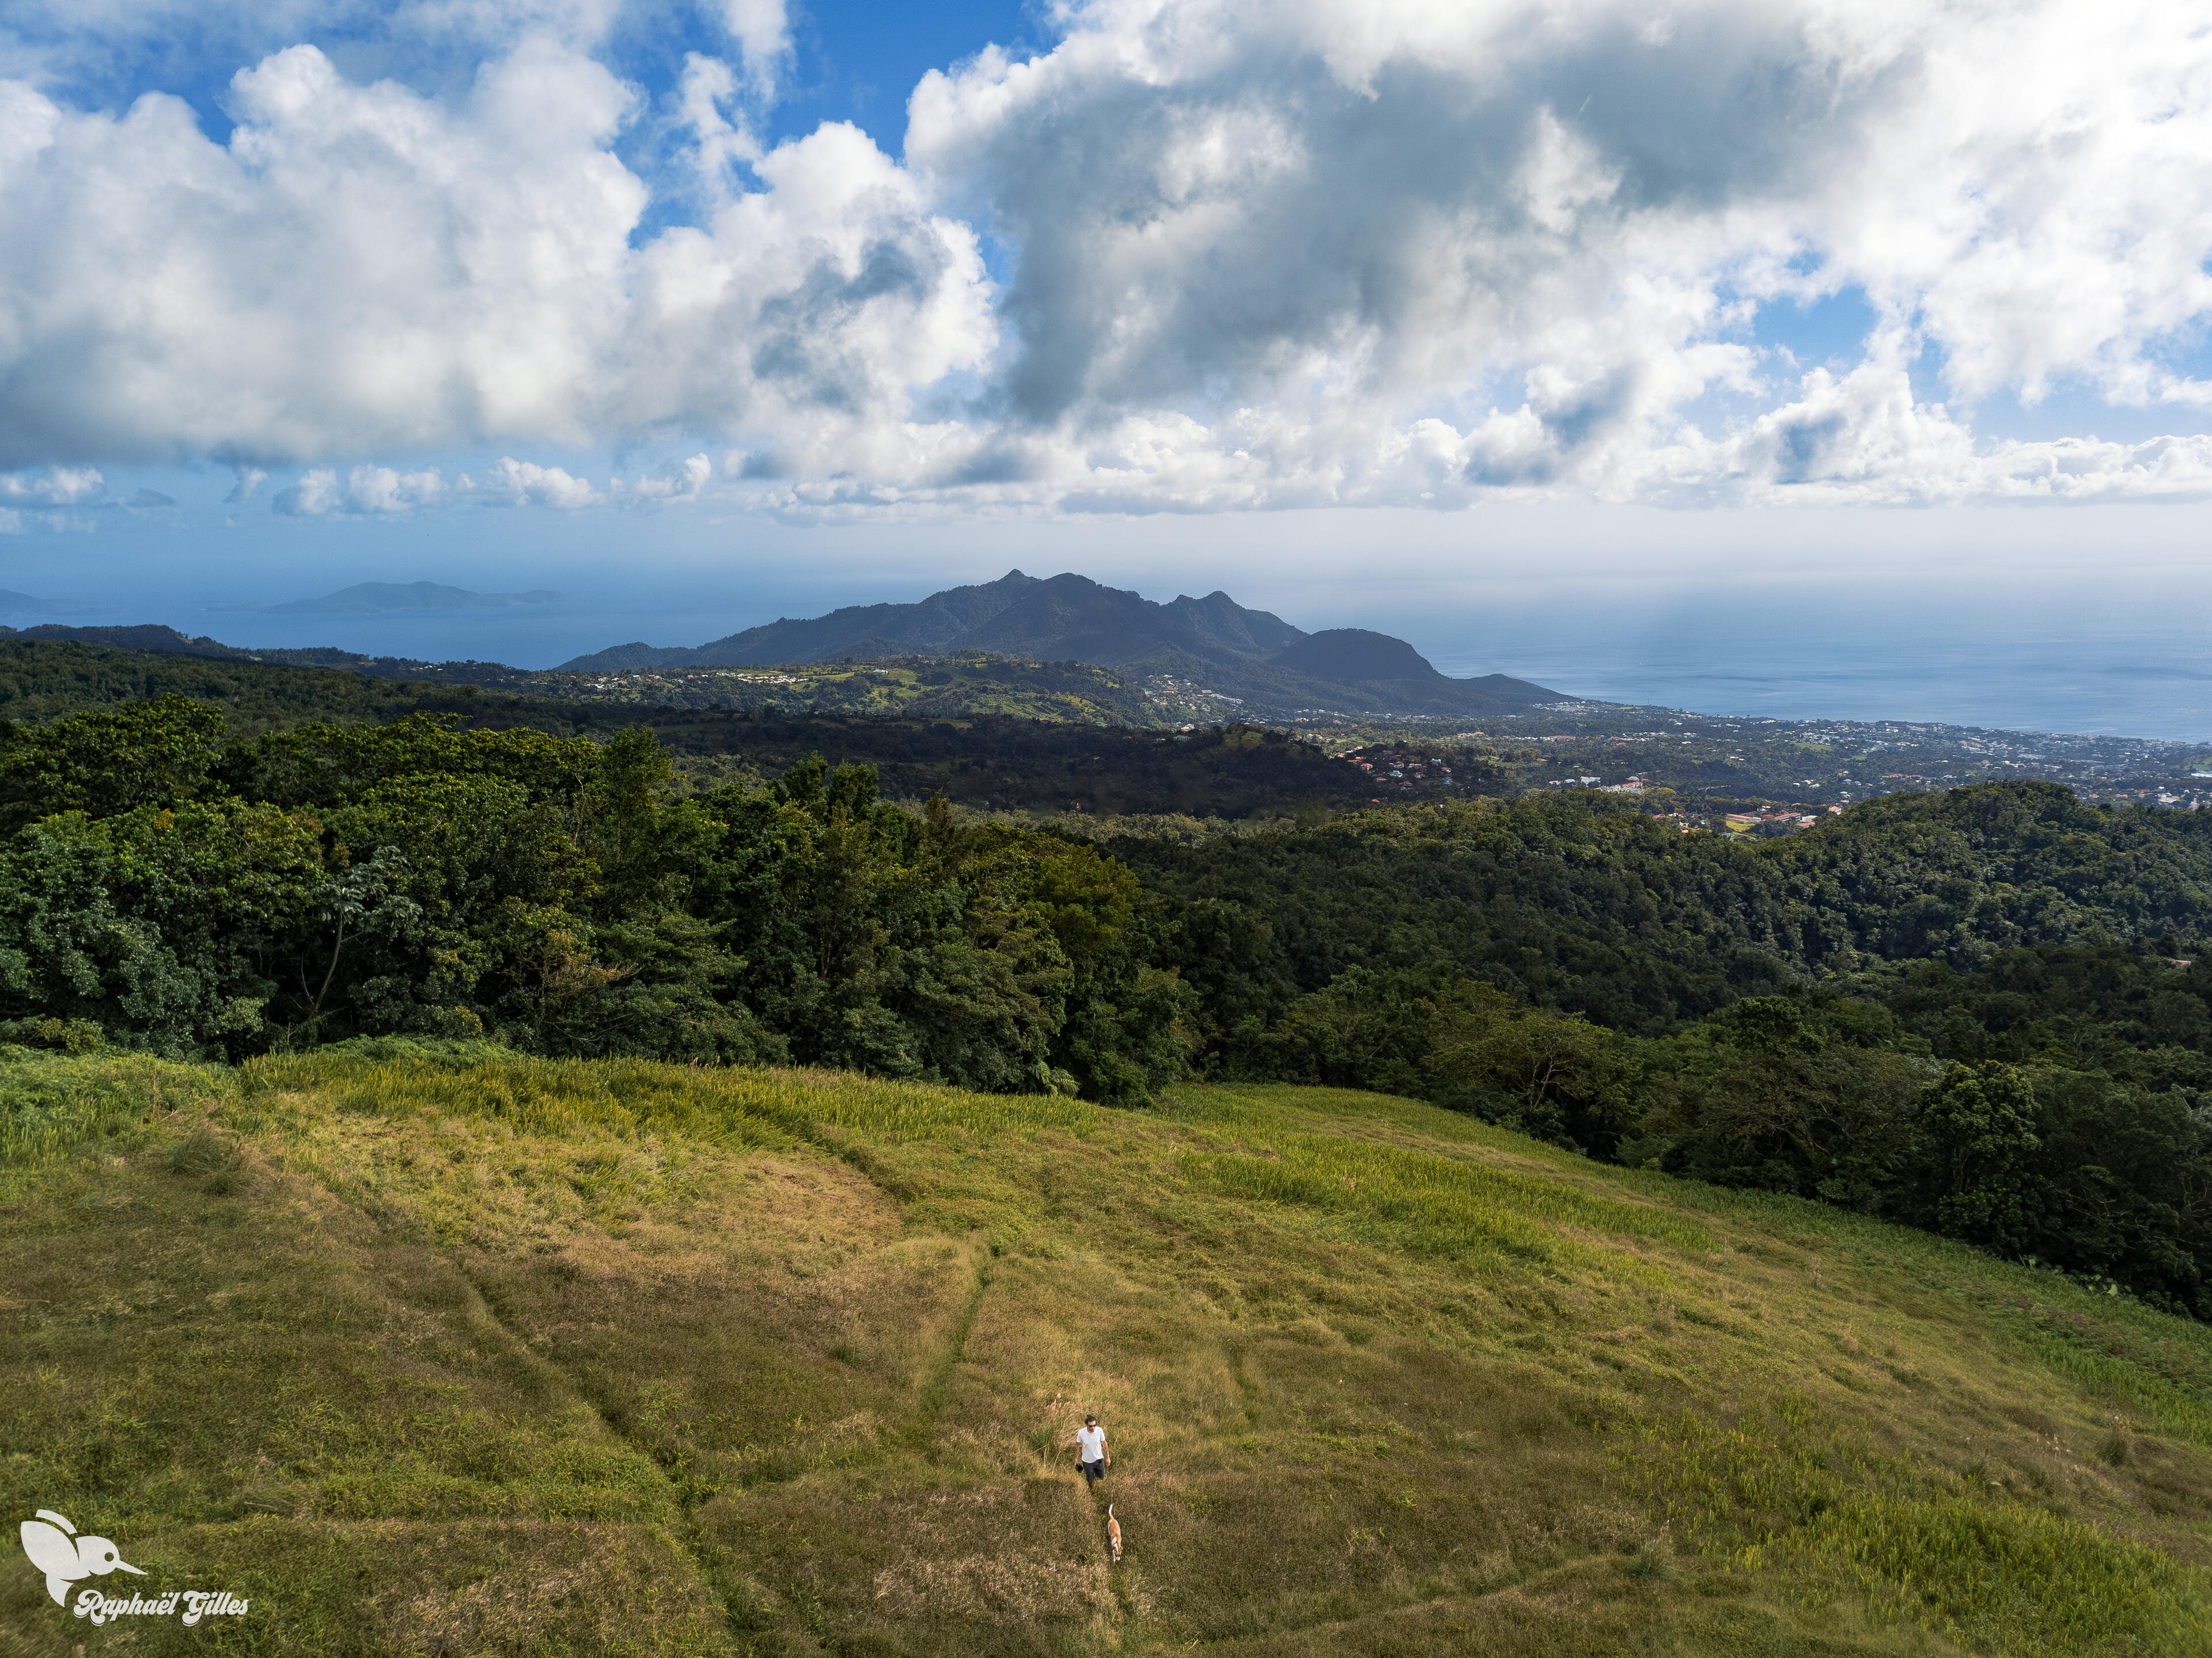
pixel 2154 686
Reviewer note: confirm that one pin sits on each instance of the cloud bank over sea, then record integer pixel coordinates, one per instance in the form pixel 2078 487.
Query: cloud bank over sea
pixel 1193 256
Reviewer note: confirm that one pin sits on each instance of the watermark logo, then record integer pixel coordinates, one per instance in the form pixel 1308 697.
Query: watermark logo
pixel 56 1550
pixel 54 1547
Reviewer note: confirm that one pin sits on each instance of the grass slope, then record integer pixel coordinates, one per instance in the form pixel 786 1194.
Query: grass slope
pixel 483 1354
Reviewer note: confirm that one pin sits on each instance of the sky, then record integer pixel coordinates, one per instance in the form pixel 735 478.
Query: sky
pixel 1519 330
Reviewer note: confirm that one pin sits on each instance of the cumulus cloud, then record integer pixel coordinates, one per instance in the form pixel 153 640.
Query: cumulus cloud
pixel 52 486
pixel 37 495
pixel 762 33
pixel 360 270
pixel 525 483
pixel 365 491
pixel 721 139
pixel 1334 252
pixel 1342 230
pixel 370 491
pixel 682 482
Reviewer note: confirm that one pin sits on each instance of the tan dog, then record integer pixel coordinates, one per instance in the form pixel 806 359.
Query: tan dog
pixel 1112 1532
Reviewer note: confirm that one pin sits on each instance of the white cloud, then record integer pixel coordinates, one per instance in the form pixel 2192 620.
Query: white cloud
pixel 1353 224
pixel 1264 255
pixel 364 270
pixel 682 482
pixel 811 309
pixel 357 270
pixel 718 143
pixel 52 486
pixel 370 491
pixel 764 36
pixel 525 483
pixel 367 491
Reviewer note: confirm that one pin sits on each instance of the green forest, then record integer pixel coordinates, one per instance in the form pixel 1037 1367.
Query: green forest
pixel 42 678
pixel 1982 1013
pixel 998 735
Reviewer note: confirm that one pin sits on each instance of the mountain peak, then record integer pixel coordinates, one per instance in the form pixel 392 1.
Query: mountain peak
pixel 1259 662
pixel 1355 654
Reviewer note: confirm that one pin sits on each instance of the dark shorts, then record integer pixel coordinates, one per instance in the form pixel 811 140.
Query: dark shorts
pixel 1094 1472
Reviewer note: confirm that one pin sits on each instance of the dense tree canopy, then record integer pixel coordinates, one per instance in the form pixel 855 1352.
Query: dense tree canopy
pixel 196 895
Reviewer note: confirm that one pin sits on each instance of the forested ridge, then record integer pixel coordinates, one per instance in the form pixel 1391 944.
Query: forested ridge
pixel 1979 1011
pixel 962 744
pixel 46 679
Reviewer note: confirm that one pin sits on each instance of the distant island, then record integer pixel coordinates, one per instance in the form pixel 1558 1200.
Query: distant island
pixel 394 599
pixel 14 604
pixel 1249 658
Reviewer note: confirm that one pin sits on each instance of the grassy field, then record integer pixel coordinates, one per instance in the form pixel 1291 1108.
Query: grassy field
pixel 470 1353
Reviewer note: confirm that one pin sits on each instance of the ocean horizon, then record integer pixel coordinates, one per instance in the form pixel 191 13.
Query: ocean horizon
pixel 2148 688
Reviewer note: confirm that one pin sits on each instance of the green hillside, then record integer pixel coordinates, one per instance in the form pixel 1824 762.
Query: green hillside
pixel 966 684
pixel 44 680
pixel 452 1351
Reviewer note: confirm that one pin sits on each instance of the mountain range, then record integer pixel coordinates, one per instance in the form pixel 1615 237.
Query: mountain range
pixel 1252 656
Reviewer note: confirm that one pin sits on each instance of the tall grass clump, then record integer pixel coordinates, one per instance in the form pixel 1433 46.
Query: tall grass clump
pixel 1791 1493
pixel 2000 1576
pixel 631 1098
pixel 1435 1204
pixel 56 1105
pixel 2130 1357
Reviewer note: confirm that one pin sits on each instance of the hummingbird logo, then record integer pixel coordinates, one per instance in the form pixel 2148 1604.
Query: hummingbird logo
pixel 56 1550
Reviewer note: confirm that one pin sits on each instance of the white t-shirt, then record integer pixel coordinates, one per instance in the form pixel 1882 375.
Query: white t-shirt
pixel 1091 1443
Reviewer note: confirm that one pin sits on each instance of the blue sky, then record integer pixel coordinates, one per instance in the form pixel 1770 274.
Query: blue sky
pixel 599 295
pixel 858 63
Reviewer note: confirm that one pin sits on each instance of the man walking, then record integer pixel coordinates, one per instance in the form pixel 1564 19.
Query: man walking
pixel 1090 1452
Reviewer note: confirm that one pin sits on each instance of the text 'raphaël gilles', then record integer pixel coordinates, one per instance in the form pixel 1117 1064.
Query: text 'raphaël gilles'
pixel 196 1604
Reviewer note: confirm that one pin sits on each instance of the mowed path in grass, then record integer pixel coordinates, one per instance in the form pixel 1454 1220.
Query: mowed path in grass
pixel 523 1356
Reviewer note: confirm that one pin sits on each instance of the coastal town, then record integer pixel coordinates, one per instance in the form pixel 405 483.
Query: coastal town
pixel 1760 777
